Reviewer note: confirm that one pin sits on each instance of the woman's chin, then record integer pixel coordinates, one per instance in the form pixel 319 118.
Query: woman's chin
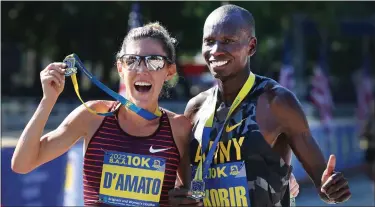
pixel 145 103
pixel 144 100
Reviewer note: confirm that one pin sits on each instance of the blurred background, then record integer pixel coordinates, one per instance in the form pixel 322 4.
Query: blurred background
pixel 323 51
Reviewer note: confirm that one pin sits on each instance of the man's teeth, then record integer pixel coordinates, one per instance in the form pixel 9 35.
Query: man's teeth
pixel 142 83
pixel 218 63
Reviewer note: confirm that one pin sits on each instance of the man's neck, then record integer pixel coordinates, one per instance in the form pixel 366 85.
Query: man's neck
pixel 230 87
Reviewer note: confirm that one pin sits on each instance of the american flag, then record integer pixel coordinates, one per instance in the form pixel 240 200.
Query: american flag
pixel 321 93
pixel 364 89
pixel 135 20
pixel 286 77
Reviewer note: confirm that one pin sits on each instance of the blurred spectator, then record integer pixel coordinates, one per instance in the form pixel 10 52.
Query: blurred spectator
pixel 367 142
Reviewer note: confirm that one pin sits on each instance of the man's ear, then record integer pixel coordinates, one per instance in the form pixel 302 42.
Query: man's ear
pixel 172 70
pixel 252 46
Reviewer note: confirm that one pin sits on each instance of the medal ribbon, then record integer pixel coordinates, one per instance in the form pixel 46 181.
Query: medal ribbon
pixel 202 169
pixel 73 62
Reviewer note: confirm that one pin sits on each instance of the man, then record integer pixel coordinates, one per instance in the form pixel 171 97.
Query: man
pixel 251 160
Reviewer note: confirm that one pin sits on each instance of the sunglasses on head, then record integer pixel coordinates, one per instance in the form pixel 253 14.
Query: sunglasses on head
pixel 153 62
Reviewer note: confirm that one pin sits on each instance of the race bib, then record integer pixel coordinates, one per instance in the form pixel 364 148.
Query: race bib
pixel 226 185
pixel 131 179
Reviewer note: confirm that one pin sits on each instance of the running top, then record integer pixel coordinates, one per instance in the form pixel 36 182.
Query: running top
pixel 267 173
pixel 110 137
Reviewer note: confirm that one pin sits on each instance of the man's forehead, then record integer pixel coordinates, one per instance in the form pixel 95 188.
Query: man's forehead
pixel 224 25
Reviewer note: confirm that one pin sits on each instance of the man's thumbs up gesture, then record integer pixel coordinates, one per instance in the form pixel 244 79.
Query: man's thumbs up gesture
pixel 335 188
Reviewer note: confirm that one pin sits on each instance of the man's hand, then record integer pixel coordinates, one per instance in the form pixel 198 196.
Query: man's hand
pixel 179 197
pixel 335 188
pixel 293 186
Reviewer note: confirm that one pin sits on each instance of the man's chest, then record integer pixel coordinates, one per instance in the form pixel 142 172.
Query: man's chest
pixel 240 131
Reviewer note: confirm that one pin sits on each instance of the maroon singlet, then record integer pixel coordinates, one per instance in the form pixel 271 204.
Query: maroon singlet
pixel 110 137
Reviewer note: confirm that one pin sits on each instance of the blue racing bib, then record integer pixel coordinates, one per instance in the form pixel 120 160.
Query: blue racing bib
pixel 226 185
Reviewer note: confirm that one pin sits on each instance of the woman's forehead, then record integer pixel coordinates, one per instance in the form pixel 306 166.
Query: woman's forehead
pixel 145 46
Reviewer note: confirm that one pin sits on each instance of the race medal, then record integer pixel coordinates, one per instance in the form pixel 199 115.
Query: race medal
pixel 197 189
pixel 226 185
pixel 70 63
pixel 131 179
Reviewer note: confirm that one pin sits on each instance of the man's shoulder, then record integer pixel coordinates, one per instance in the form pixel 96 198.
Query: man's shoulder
pixel 274 91
pixel 179 120
pixel 281 100
pixel 181 125
pixel 196 102
pixel 285 109
pixel 201 97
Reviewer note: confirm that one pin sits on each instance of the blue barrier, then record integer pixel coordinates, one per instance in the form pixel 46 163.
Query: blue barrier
pixel 42 187
pixel 342 141
pixel 74 180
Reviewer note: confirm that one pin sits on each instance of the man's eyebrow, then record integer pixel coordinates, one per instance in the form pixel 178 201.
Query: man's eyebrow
pixel 207 37
pixel 229 36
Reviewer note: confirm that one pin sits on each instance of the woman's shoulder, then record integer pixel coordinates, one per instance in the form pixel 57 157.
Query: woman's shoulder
pixel 103 106
pixel 100 106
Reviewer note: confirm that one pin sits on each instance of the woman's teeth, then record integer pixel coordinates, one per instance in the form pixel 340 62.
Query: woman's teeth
pixel 139 83
pixel 141 86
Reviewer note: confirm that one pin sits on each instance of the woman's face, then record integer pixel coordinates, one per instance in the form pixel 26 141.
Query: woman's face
pixel 144 71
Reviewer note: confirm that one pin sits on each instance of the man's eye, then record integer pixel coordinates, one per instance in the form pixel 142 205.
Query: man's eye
pixel 209 41
pixel 226 41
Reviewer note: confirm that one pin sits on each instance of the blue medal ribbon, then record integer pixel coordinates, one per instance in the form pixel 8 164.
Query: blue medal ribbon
pixel 73 62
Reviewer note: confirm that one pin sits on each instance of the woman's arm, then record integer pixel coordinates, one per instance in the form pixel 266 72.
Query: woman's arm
pixel 181 129
pixel 33 149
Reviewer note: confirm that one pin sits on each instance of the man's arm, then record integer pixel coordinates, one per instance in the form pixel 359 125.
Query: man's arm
pixel 289 114
pixel 332 186
pixel 180 194
pixel 181 128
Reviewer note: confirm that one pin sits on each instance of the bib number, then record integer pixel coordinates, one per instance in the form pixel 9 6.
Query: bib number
pixel 226 185
pixel 131 179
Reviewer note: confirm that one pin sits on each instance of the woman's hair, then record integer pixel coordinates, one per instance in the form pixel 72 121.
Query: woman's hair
pixel 151 30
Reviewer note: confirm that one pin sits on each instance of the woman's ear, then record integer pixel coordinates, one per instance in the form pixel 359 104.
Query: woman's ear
pixel 171 72
pixel 119 66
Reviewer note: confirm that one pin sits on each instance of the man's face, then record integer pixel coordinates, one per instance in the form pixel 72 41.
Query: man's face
pixel 227 44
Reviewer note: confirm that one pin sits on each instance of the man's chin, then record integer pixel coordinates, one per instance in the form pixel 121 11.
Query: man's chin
pixel 221 74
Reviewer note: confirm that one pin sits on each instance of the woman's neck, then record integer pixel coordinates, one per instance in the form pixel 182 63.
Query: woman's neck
pixel 128 114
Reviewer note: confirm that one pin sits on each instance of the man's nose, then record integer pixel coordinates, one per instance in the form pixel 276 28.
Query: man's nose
pixel 216 49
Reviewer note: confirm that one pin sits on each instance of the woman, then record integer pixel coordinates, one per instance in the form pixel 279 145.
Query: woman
pixel 128 160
